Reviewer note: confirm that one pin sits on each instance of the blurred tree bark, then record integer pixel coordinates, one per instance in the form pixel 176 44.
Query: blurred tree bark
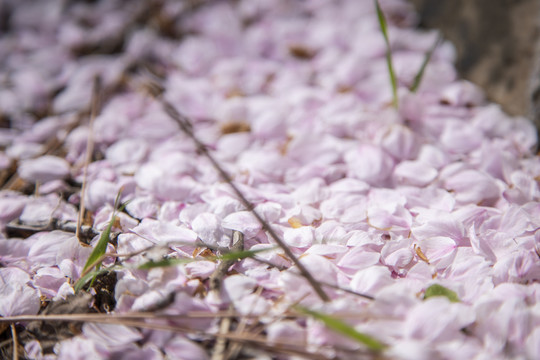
pixel 497 45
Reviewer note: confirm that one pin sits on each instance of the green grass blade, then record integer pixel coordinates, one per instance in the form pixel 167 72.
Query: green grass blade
pixel 342 328
pixel 418 78
pixel 91 275
pixel 101 246
pixel 165 262
pixel 236 255
pixel 384 29
pixel 439 290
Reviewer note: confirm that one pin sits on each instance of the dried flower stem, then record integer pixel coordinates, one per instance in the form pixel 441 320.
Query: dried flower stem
pixel 236 347
pixel 219 350
pixel 96 89
pixel 216 279
pixel 138 322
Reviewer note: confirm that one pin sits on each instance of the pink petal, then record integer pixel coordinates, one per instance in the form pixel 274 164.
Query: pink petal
pixel 101 192
pixel 481 246
pixel 371 279
pixel 459 138
pixel 200 269
pixel 301 237
pixel 437 248
pixel 433 156
pixel 243 221
pixel 150 300
pixel 369 163
pixel 358 258
pixel 164 233
pixel 44 168
pixel 442 225
pixel 462 93
pixel 54 247
pixel 414 173
pixel 349 186
pixel 286 331
pixel 238 286
pixel 208 228
pixel 48 281
pixel 11 208
pixel 16 297
pixel 471 186
pixel 182 348
pixel 126 151
pixel 436 319
pixel 112 335
pixel 270 211
pixel 78 348
pixel 533 343
pixel 397 253
pixel 142 207
pixel 327 250
pixel 399 141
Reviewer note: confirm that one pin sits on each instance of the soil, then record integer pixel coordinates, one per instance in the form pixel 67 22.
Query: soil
pixel 496 42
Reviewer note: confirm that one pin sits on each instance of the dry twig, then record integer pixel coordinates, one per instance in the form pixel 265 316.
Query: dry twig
pixel 216 279
pixel 185 125
pixel 15 342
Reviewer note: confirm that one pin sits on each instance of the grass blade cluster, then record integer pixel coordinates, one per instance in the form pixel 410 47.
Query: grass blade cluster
pixel 100 248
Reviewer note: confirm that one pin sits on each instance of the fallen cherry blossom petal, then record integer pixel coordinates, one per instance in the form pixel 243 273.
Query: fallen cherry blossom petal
pixel 44 168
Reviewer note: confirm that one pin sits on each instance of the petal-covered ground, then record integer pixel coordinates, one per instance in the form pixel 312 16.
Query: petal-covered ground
pixel 419 222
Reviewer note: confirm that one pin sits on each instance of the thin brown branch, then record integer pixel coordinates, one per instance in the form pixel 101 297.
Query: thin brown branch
pixel 219 350
pixel 259 341
pixel 185 125
pixel 15 229
pixel 96 317
pixel 15 342
pixel 324 283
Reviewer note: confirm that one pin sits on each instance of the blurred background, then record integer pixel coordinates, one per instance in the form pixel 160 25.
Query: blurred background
pixel 497 45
